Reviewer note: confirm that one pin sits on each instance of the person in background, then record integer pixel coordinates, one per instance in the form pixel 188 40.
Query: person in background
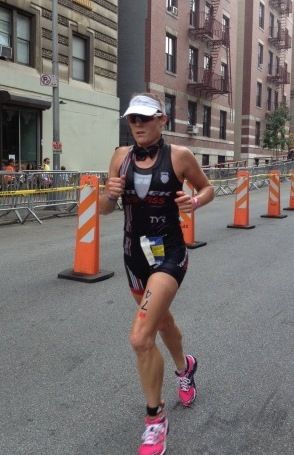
pixel 46 178
pixel 149 178
pixel 10 167
pixel 46 164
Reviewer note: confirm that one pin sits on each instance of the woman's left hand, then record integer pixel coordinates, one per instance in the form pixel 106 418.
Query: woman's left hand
pixel 184 202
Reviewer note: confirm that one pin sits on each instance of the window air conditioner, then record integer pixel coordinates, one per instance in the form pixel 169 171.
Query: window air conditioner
pixel 174 10
pixel 192 129
pixel 5 52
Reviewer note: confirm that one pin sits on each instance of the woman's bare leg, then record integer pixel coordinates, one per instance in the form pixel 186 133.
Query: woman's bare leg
pixel 160 291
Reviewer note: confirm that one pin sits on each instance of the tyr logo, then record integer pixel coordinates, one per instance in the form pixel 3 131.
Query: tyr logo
pixel 157 219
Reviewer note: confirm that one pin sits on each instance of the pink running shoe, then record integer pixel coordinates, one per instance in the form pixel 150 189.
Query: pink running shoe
pixel 154 436
pixel 186 385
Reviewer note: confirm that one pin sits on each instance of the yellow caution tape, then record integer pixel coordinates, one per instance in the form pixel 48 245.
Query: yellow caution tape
pixel 43 190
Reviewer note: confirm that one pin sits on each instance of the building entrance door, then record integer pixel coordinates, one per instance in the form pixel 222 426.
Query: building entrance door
pixel 20 138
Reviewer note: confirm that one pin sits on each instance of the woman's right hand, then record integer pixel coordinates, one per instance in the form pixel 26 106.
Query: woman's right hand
pixel 115 187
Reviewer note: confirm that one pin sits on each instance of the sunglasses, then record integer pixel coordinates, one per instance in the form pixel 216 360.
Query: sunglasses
pixel 134 118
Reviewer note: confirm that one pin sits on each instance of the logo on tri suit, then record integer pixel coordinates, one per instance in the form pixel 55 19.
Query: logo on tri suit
pixel 157 219
pixel 164 176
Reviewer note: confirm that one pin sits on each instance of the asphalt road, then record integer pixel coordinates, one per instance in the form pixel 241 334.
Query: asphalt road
pixel 68 383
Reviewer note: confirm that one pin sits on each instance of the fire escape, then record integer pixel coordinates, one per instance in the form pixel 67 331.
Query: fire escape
pixel 279 38
pixel 206 82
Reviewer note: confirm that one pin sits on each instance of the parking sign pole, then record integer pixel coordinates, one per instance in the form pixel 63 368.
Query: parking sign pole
pixel 55 88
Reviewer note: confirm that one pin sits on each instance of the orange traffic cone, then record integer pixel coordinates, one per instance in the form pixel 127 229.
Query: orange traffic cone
pixel 291 199
pixel 274 205
pixel 188 223
pixel 241 215
pixel 87 260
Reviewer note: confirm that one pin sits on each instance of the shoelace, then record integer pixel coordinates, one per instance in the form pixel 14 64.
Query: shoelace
pixel 184 383
pixel 152 433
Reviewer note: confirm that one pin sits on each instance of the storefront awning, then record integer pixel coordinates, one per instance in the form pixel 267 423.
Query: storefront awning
pixel 10 99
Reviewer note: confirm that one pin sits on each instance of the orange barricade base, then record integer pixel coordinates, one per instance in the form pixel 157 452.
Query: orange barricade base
pixel 196 244
pixel 69 274
pixel 87 252
pixel 241 226
pixel 274 216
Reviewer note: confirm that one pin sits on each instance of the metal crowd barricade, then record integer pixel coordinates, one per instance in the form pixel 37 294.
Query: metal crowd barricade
pixel 25 192
pixel 224 179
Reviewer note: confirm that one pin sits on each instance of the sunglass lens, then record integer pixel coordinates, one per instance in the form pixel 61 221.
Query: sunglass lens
pixel 134 118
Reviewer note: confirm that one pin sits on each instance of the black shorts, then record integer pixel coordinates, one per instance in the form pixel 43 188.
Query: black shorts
pixel 138 270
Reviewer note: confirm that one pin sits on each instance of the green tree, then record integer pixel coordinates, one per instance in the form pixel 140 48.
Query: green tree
pixel 275 134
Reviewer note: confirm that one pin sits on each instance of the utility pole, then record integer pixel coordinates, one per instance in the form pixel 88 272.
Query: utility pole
pixel 57 146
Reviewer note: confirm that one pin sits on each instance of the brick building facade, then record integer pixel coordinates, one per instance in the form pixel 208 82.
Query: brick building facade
pixel 264 60
pixel 87 54
pixel 183 51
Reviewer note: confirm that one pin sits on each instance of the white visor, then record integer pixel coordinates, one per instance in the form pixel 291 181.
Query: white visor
pixel 143 105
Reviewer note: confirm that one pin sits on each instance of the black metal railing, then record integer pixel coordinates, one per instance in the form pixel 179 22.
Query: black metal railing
pixel 210 82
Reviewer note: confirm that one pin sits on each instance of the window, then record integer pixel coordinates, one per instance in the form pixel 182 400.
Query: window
pixel 277 66
pixel 226 28
pixel 276 100
pixel 23 43
pixel 258 94
pixel 207 62
pixel 221 159
pixel 194 13
pixel 269 99
pixel 192 113
pixel 270 62
pixel 5 27
pixel 223 125
pixel 208 19
pixel 170 4
pixel 16 32
pixel 205 160
pixel 279 29
pixel 261 15
pixel 272 25
pixel 20 133
pixel 206 120
pixel 170 53
pixel 224 77
pixel 170 112
pixel 80 58
pixel 208 12
pixel 260 55
pixel 257 133
pixel 193 64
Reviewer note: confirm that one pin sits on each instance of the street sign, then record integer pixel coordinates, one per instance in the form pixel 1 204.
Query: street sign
pixel 57 146
pixel 49 80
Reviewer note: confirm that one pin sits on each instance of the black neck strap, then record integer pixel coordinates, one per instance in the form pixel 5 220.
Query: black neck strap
pixel 142 153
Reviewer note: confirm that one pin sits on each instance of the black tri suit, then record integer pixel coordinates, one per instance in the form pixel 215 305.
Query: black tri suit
pixel 153 239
